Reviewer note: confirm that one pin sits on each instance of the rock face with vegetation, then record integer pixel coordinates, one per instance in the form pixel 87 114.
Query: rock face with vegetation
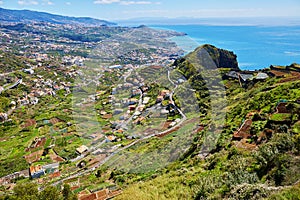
pixel 222 58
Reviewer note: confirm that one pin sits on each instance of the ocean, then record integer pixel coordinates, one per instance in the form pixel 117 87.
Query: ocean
pixel 256 47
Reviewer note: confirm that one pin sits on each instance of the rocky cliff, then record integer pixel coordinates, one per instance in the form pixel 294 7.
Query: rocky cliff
pixel 222 58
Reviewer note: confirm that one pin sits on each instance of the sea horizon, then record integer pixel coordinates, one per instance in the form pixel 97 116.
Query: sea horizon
pixel 256 47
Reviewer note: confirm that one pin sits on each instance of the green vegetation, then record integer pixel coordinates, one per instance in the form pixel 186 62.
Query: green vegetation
pixel 233 171
pixel 29 191
pixel 255 156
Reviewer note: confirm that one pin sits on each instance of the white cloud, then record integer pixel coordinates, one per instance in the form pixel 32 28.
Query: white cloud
pixel 47 2
pixel 1 2
pixel 135 3
pixel 126 3
pixel 68 3
pixel 28 2
pixel 106 1
pixel 35 2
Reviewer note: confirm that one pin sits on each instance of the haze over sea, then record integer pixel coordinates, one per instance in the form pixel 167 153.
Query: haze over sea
pixel 257 47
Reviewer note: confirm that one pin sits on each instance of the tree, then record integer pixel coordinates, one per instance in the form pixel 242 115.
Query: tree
pixel 67 193
pixel 50 193
pixel 26 191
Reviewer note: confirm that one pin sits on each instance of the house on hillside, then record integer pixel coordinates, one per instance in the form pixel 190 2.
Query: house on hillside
pixel 232 74
pixel 144 88
pixel 165 93
pixel 159 99
pixel 29 71
pixel 111 138
pixel 117 111
pixel 1 89
pixel 36 171
pixel 100 195
pixel 244 130
pixel 115 67
pixel 281 108
pixel 131 108
pixel 3 117
pixel 141 108
pixel 82 149
pixel 132 101
pixel 246 77
pixel 135 92
pixel 146 100
pixel 261 76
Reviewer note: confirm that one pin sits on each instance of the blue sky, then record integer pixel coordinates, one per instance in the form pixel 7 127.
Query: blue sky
pixel 126 9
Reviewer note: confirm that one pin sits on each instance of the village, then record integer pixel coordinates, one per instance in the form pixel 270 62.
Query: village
pixel 44 77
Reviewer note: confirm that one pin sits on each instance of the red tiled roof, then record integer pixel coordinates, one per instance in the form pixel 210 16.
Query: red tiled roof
pixel 92 196
pixel 102 194
pixel 55 175
pixel 244 131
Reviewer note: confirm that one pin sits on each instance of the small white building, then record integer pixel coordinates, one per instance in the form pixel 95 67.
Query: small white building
pixel 82 149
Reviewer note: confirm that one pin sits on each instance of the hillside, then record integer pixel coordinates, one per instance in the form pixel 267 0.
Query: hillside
pixel 28 16
pixel 256 155
pixel 195 127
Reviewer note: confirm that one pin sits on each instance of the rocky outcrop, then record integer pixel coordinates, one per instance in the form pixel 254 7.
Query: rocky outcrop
pixel 205 58
pixel 221 57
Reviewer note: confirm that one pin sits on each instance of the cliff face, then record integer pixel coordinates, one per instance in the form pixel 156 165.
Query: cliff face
pixel 206 57
pixel 222 58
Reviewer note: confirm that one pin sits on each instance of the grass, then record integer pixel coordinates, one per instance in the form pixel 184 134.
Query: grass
pixel 280 117
pixel 290 193
pixel 296 127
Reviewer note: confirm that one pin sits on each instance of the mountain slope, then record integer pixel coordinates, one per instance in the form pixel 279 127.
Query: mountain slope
pixel 257 153
pixel 27 16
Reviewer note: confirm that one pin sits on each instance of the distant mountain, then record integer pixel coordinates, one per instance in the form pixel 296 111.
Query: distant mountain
pixel 27 16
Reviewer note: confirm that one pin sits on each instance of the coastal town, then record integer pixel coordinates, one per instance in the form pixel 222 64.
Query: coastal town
pixel 102 108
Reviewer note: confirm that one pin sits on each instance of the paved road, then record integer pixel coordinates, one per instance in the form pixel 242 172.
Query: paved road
pixel 180 85
pixel 13 85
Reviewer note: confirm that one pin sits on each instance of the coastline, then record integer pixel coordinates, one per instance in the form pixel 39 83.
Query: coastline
pixel 256 47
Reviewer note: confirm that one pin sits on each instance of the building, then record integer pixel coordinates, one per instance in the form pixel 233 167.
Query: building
pixel 115 67
pixel 141 108
pixel 159 99
pixel 3 117
pixel 82 149
pixel 261 76
pixel 146 100
pixel 131 108
pixel 36 171
pixel 132 101
pixel 29 71
pixel 165 93
pixel 111 138
pixel 246 77
pixel 281 107
pixel 244 131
